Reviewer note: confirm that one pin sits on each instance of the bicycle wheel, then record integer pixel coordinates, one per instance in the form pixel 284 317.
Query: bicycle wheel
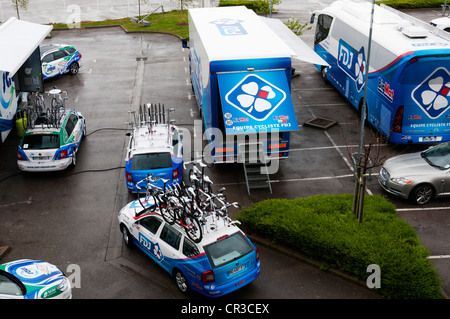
pixel 146 199
pixel 193 228
pixel 169 211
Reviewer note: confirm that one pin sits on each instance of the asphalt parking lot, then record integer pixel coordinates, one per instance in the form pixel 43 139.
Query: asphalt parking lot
pixel 70 217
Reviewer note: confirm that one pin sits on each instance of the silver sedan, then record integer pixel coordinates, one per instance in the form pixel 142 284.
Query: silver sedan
pixel 419 176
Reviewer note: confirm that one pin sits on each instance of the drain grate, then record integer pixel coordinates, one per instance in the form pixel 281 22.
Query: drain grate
pixel 320 122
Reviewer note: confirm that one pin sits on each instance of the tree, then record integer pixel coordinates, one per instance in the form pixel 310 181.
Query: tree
pixel 20 4
pixel 370 157
pixel 296 26
pixel 184 4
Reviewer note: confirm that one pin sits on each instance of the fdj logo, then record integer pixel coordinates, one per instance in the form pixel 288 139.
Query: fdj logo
pixel 255 97
pixel 229 27
pixel 352 62
pixel 432 95
pixel 8 90
pixel 153 248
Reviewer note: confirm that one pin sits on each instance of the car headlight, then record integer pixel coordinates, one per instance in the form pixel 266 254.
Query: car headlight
pixel 402 180
pixel 64 285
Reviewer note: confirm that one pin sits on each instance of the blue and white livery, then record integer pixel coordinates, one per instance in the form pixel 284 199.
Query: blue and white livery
pixel 33 279
pixel 225 260
pixel 408 86
pixel 241 76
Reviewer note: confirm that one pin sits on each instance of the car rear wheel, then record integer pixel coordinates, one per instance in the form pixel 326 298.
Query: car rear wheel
pixel 422 194
pixel 74 158
pixel 181 282
pixel 74 68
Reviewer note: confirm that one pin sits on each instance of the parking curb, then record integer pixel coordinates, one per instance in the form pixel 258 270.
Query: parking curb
pixel 315 263
pixel 119 26
pixel 296 255
pixel 4 250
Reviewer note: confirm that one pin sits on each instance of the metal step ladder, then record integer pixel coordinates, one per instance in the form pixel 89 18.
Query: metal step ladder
pixel 255 166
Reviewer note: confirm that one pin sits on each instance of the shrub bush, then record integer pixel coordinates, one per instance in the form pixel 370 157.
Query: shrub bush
pixel 412 4
pixel 324 227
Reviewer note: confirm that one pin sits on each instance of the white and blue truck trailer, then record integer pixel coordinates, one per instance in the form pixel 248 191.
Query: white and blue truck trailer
pixel 240 68
pixel 20 66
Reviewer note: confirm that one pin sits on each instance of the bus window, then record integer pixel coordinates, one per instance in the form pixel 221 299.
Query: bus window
pixel 323 27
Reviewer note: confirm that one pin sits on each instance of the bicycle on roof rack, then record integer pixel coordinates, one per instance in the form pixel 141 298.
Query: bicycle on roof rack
pixel 40 114
pixel 172 205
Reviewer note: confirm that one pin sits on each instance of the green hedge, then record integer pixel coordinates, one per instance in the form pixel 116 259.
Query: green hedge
pixel 412 4
pixel 255 5
pixel 324 227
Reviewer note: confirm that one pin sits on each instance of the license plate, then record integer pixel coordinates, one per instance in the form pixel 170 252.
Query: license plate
pixel 237 269
pixel 430 139
pixel 40 158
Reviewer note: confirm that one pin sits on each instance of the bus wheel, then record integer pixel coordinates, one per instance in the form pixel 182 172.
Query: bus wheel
pixel 361 105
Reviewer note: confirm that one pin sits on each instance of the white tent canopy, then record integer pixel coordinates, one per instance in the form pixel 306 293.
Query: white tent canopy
pixel 18 40
pixel 301 50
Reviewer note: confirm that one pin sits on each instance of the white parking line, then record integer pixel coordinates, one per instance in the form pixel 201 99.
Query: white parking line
pixel 439 257
pixel 421 208
pixel 18 203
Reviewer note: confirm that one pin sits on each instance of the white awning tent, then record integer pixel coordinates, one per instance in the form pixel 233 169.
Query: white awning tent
pixel 18 40
pixel 301 50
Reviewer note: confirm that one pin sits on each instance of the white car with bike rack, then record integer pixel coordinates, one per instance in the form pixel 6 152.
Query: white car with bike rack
pixel 220 261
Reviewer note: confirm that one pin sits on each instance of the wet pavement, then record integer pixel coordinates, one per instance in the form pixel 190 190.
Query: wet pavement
pixel 71 217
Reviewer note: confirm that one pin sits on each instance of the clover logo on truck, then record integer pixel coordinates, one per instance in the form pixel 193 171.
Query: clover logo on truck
pixel 433 94
pixel 255 97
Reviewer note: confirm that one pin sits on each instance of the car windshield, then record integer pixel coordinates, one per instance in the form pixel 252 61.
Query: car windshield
pixel 228 249
pixel 40 141
pixel 438 155
pixel 151 161
pixel 8 286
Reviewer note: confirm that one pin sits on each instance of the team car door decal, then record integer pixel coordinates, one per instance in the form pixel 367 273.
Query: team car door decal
pixel 255 102
pixel 151 247
pixel 433 94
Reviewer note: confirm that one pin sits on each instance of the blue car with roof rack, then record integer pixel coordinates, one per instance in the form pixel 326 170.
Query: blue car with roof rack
pixel 154 148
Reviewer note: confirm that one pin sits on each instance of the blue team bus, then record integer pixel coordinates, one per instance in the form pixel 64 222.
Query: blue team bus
pixel 409 71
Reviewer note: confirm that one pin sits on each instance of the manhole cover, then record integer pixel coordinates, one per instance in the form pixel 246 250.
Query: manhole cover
pixel 320 123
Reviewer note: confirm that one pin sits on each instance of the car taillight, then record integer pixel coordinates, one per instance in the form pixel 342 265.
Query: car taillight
pixel 398 120
pixel 257 254
pixel 129 177
pixel 176 173
pixel 19 156
pixel 63 154
pixel 281 145
pixel 208 276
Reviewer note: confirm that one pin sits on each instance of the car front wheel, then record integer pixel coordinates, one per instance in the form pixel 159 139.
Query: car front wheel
pixel 126 236
pixel 422 194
